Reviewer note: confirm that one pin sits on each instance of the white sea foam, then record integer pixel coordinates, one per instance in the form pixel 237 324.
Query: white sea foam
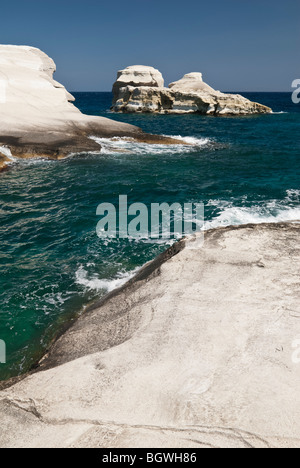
pixel 293 195
pixel 51 300
pixel 271 212
pixel 124 145
pixel 7 152
pixel 191 140
pixel 278 113
pixel 95 283
pixel 230 214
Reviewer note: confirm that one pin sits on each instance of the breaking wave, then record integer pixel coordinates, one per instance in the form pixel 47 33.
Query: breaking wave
pixel 129 146
pixel 106 285
pixel 227 213
pixel 274 211
pixel 6 152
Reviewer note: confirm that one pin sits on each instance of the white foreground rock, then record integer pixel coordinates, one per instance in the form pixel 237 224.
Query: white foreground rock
pixel 188 95
pixel 197 351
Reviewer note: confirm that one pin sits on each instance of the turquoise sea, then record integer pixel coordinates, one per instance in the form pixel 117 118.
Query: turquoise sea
pixel 245 169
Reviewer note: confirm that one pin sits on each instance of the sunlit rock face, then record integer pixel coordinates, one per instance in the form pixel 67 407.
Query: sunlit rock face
pixel 141 89
pixel 136 76
pixel 28 93
pixel 191 82
pixel 30 99
pixel 37 116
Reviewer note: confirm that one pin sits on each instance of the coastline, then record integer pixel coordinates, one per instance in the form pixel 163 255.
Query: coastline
pixel 150 228
pixel 55 357
pixel 99 343
pixel 46 361
pixel 37 117
pixel 58 147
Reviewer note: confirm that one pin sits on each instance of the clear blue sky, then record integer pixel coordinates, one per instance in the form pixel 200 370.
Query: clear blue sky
pixel 238 45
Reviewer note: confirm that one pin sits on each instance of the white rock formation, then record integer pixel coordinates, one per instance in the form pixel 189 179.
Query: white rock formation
pixel 197 351
pixel 136 76
pixel 188 95
pixel 191 82
pixel 30 99
pixel 37 116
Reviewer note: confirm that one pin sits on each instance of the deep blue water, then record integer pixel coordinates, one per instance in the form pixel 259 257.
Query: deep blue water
pixel 245 169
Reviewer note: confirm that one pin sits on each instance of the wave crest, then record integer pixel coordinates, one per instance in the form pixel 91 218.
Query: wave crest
pixel 274 211
pixel 124 145
pixel 98 284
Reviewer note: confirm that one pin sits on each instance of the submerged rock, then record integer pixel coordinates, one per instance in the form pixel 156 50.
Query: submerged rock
pixel 188 95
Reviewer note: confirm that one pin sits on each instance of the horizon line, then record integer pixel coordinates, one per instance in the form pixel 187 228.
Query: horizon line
pixel 232 92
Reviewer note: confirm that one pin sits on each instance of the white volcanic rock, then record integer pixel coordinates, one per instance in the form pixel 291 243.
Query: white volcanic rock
pixel 29 96
pixel 137 76
pixel 36 112
pixel 143 99
pixel 28 93
pixel 191 82
pixel 196 351
pixel 188 95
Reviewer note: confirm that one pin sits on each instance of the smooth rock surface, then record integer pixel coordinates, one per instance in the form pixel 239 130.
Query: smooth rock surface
pixel 196 351
pixel 31 100
pixel 188 95
pixel 191 82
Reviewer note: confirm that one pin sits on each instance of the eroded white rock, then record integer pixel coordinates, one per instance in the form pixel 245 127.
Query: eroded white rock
pixel 137 76
pixel 31 100
pixel 135 93
pixel 191 82
pixel 28 92
pixel 37 117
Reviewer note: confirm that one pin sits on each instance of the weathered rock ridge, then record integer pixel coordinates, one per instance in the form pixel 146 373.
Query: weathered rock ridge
pixel 195 351
pixel 141 89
